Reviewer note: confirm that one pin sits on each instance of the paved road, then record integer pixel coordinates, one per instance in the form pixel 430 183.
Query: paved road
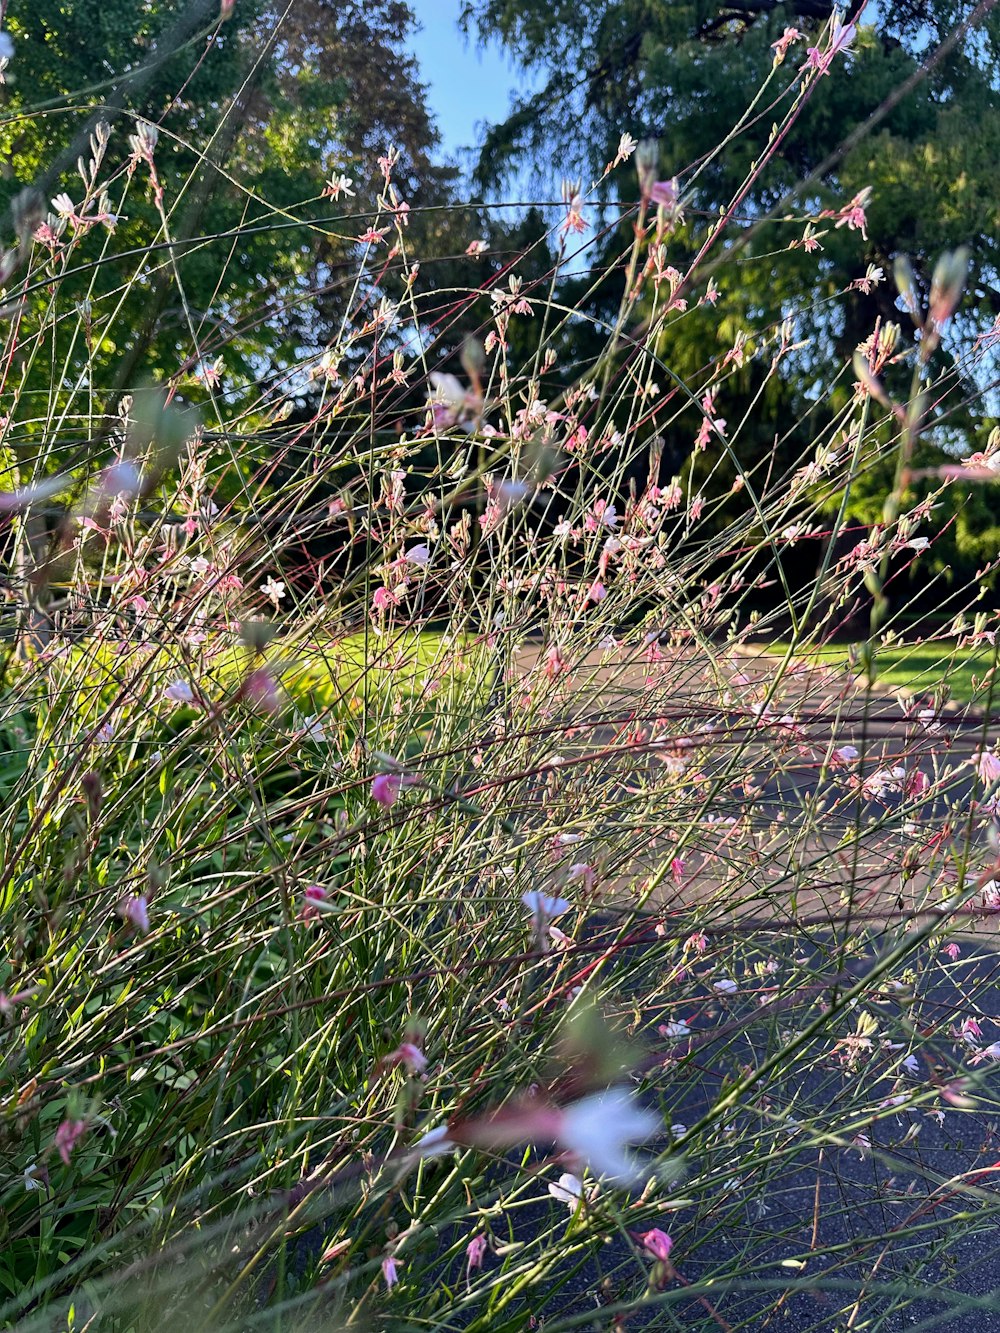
pixel 861 1195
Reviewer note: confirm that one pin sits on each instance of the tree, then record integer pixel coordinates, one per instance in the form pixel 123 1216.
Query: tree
pixel 684 74
pixel 246 256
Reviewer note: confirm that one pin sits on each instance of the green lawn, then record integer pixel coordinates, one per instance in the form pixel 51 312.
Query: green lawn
pixel 922 668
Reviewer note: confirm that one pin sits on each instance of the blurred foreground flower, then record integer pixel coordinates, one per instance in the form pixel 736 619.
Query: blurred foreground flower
pixel 593 1132
pixel 135 910
pixel 67 1136
pixel 542 906
pixel 386 788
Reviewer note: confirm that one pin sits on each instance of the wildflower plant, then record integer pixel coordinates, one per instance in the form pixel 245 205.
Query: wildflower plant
pixel 448 877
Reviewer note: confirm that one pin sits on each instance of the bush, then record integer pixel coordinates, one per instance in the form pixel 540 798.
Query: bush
pixel 469 925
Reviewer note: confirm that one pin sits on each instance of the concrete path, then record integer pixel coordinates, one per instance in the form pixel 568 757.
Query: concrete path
pixel 843 1192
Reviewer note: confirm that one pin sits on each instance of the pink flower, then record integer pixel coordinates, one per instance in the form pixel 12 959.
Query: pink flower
pixel 135 911
pixel 386 788
pixel 474 1252
pixel 67 1136
pixel 917 783
pixel 384 600
pixel 573 199
pixel 841 37
pixel 988 766
pixel 408 1054
pixel 664 193
pixel 658 1243
pixel 555 663
pixel 261 690
pixel 604 514
pixel 315 893
pixel 389 1271
pixel 853 216
pixel 582 870
pixel 780 47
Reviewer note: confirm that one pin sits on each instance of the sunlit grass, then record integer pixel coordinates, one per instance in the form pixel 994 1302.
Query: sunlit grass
pixel 942 669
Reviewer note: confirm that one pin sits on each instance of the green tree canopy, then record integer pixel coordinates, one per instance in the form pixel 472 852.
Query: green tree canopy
pixel 254 115
pixel 685 74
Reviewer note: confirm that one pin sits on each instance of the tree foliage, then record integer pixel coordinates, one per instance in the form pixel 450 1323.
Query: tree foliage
pixel 253 116
pixel 684 74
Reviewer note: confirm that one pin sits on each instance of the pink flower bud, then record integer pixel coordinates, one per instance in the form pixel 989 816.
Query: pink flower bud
pixel 658 1243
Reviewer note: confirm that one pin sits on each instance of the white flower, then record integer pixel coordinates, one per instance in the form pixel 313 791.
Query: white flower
pixel 597 1129
pixel 626 147
pixel 31 1181
pixel 180 692
pixel 541 905
pixel 418 555
pixel 338 185
pixel 726 986
pixel 273 589
pixel 569 1190
pixel 918 543
pixel 312 728
pixel 847 754
pixel 927 718
pixel 675 1028
pixel 63 205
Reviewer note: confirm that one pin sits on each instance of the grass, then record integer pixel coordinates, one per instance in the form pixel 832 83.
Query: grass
pixel 942 670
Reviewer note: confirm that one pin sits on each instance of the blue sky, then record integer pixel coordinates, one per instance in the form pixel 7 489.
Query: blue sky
pixel 465 86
